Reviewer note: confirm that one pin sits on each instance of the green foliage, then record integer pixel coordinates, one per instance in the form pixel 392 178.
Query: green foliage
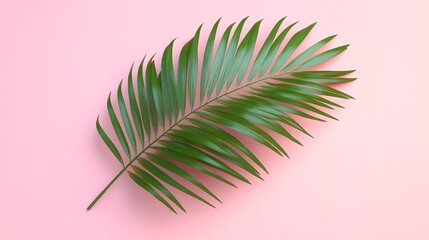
pixel 185 113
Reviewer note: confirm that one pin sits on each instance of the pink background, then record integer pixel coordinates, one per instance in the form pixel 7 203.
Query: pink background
pixel 364 177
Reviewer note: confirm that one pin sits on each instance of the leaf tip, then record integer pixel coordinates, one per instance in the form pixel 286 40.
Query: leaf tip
pixel 141 62
pixel 197 33
pixel 109 101
pixel 97 122
pixel 151 58
pixel 172 41
pixel 308 134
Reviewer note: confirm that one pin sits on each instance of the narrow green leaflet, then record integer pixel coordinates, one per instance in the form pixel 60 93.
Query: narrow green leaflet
pixel 308 52
pixel 193 68
pixel 323 57
pixel 117 127
pixel 205 69
pixel 146 110
pixel 109 142
pixel 169 86
pixel 182 75
pixel 126 118
pixel 135 111
pixel 154 96
pixel 218 61
pixel 321 74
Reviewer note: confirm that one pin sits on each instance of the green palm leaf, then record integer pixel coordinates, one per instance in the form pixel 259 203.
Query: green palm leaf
pixel 187 115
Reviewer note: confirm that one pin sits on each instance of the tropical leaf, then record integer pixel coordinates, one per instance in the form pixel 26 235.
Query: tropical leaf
pixel 187 115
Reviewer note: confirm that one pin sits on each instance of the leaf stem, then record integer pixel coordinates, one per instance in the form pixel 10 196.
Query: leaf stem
pixel 166 131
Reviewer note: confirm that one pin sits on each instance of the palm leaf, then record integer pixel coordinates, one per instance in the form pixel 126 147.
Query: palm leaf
pixel 184 115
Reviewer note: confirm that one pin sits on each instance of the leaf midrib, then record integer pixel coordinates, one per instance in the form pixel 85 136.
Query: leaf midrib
pixel 171 127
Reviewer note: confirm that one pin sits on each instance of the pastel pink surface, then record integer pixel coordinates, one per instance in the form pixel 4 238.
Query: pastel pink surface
pixel 364 177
